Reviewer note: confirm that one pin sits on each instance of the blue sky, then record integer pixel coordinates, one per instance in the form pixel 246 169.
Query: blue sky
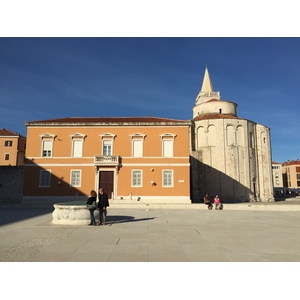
pixel 45 78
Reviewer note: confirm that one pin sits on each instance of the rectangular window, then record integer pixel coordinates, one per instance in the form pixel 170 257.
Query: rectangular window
pixel 47 148
pixel 77 148
pixel 76 178
pixel 6 156
pixel 107 148
pixel 137 148
pixel 45 177
pixel 298 176
pixel 167 178
pixel 167 148
pixel 136 178
pixel 8 143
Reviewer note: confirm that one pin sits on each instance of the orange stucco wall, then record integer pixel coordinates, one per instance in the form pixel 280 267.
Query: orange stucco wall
pixel 151 164
pixel 16 151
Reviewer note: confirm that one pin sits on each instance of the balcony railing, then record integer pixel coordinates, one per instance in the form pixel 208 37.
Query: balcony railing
pixel 106 160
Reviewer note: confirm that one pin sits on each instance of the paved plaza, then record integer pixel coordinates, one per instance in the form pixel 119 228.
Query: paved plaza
pixel 154 235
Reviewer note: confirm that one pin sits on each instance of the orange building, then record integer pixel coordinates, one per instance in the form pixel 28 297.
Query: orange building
pixel 142 158
pixel 291 174
pixel 12 148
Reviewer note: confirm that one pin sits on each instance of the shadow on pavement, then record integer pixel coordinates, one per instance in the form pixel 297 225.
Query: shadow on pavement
pixel 11 215
pixel 121 219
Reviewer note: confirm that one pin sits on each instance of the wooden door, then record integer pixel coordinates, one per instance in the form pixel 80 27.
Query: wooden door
pixel 106 181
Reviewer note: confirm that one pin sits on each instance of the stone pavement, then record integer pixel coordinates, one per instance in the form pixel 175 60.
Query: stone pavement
pixel 252 233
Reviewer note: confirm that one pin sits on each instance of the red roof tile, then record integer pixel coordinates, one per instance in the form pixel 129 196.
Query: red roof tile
pixel 214 116
pixel 82 120
pixel 7 132
pixel 291 162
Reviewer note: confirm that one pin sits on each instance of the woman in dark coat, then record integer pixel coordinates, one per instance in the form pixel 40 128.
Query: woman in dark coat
pixel 207 202
pixel 92 208
pixel 103 204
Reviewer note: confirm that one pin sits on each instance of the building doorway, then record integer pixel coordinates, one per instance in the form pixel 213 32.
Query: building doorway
pixel 106 181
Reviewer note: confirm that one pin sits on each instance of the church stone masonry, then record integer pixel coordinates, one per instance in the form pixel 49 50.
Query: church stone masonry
pixel 230 156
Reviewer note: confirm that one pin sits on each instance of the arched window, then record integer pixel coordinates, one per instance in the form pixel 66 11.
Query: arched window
pixel 230 135
pixel 201 138
pixel 211 135
pixel 240 136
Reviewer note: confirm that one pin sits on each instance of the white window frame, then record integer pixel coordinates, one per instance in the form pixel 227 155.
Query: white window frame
pixel 107 137
pixel 139 137
pixel 43 180
pixel 164 173
pixel 140 182
pixel 75 184
pixel 170 137
pixel 8 143
pixel 137 148
pixel 79 150
pixel 107 147
pixel 77 137
pixel 47 137
pixel 47 151
pixel 168 148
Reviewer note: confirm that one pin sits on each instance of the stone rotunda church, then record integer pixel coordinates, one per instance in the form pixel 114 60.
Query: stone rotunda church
pixel 230 156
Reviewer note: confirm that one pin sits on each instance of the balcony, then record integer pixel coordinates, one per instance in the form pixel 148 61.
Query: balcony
pixel 105 160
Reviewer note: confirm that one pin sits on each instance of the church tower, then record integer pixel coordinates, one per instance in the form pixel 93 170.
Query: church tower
pixel 207 92
pixel 231 156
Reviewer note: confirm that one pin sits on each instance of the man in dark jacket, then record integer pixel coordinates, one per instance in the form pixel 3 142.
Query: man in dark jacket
pixel 207 202
pixel 103 204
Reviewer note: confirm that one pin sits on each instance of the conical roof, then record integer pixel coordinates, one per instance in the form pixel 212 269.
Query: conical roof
pixel 206 84
pixel 207 91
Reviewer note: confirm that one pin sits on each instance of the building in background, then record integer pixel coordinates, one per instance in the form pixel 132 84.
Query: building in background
pixel 12 148
pixel 279 190
pixel 231 156
pixel 277 175
pixel 291 175
pixel 138 158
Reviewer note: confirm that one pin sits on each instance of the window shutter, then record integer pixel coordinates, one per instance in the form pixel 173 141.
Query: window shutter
pixel 77 148
pixel 47 148
pixel 137 148
pixel 168 148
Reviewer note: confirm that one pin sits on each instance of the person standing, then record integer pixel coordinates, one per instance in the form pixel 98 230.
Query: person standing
pixel 207 202
pixel 91 205
pixel 103 204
